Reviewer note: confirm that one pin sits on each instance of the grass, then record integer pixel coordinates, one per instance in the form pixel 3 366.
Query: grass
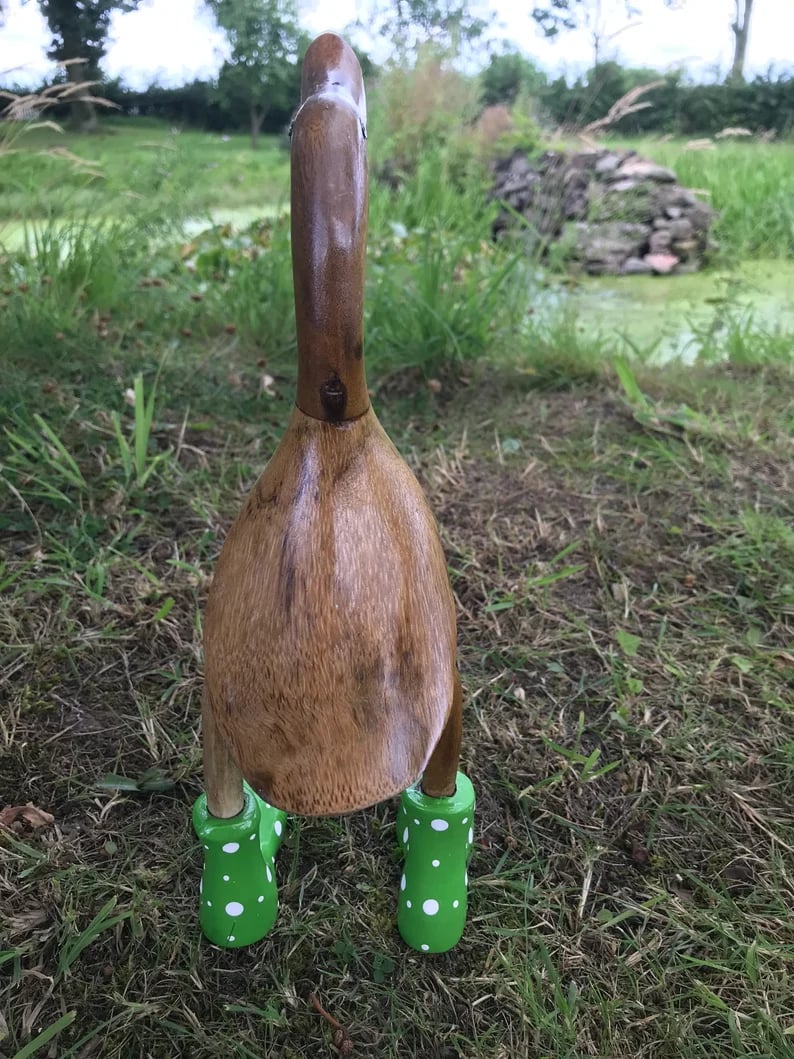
pixel 751 184
pixel 136 162
pixel 619 542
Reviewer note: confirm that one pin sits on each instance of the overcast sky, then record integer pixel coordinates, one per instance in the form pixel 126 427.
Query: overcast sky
pixel 174 40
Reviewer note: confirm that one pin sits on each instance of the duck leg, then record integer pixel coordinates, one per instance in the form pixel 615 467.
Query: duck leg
pixel 440 776
pixel 435 829
pixel 240 834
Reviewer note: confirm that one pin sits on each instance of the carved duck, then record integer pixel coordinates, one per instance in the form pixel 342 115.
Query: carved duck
pixel 329 635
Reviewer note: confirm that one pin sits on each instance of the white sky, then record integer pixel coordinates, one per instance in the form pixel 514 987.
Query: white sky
pixel 174 40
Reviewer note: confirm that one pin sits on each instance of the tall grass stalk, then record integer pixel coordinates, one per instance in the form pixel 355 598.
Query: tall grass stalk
pixel 137 463
pixel 437 297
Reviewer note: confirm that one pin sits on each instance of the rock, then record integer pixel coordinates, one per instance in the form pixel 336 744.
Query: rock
pixel 661 263
pixel 627 184
pixel 605 247
pixel 685 248
pixel 575 207
pixel 607 211
pixel 608 163
pixel 660 241
pixel 701 217
pixel 635 266
pixel 678 196
pixel 640 169
pixel 682 229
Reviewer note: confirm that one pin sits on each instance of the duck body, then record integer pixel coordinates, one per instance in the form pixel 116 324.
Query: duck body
pixel 330 639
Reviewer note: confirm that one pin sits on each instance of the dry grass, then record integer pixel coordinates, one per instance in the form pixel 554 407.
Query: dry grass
pixel 625 604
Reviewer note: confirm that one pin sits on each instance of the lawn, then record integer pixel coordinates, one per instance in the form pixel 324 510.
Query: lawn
pixel 619 540
pixel 135 161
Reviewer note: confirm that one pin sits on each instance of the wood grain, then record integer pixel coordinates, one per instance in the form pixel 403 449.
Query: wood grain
pixel 329 634
pixel 329 232
pixel 330 628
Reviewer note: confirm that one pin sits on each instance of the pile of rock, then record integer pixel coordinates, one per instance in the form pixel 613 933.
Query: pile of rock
pixel 606 211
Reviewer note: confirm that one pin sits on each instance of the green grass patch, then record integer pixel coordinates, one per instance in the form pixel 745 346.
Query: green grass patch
pixel 625 630
pixel 619 542
pixel 129 164
pixel 750 183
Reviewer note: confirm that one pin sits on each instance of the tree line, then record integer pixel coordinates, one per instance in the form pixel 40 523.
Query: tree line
pixel 677 105
pixel 258 84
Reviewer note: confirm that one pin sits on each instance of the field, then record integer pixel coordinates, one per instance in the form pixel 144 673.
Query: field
pixel 620 544
pixel 52 173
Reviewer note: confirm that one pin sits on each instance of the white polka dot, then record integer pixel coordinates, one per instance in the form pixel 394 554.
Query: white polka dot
pixel 209 904
pixel 465 820
pixel 405 811
pixel 471 835
pixel 251 839
pixel 430 907
pixel 455 904
pixel 231 938
pixel 416 822
pixel 201 886
pixel 206 847
pixel 439 825
pixel 234 908
pixel 226 878
pixel 425 948
pixel 402 883
pixel 278 828
pixel 407 904
pixel 405 835
pixel 269 874
pixel 436 863
pixel 231 847
pixel 466 878
pixel 260 899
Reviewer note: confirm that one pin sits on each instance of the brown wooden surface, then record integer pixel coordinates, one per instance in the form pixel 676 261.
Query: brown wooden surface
pixel 223 782
pixel 440 775
pixel 329 232
pixel 329 635
pixel 330 628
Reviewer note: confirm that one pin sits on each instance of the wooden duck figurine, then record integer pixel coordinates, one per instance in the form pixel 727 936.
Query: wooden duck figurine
pixel 329 636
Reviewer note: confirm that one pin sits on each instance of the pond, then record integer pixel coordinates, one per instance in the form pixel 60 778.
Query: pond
pixel 673 317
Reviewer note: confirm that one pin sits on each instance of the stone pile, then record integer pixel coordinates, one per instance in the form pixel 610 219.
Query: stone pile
pixel 604 211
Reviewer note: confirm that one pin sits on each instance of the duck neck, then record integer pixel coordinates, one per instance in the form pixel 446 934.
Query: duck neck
pixel 329 233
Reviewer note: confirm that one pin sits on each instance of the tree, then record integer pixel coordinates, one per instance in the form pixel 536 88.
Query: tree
pixel 261 72
pixel 80 29
pixel 506 75
pixel 447 25
pixel 741 32
pixel 442 21
pixel 553 16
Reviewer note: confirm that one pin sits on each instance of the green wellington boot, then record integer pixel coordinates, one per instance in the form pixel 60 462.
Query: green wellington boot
pixel 436 836
pixel 239 897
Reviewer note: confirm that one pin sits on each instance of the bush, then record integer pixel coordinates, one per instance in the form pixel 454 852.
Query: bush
pixel 417 110
pixel 764 104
